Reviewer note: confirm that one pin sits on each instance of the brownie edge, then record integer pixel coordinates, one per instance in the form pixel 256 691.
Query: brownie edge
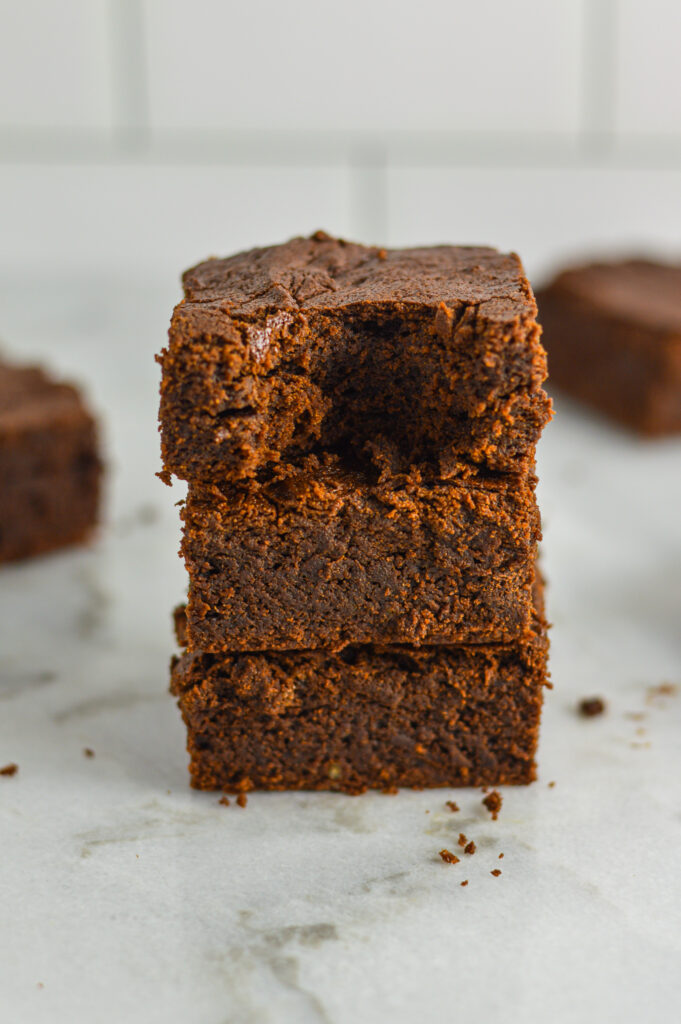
pixel 364 717
pixel 320 343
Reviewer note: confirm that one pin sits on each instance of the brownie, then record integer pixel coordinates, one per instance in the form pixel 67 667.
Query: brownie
pixel 49 464
pixel 366 716
pixel 613 334
pixel 324 344
pixel 325 556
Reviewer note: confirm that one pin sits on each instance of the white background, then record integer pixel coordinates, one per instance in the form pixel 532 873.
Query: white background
pixel 137 136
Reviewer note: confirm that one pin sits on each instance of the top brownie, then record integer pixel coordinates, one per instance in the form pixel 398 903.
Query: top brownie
pixel 321 344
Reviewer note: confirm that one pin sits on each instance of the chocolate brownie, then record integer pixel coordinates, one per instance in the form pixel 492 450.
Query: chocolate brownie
pixel 324 344
pixel 323 557
pixel 613 334
pixel 363 717
pixel 49 464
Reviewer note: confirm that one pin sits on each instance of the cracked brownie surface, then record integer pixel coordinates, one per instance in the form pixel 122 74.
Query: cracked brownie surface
pixel 323 344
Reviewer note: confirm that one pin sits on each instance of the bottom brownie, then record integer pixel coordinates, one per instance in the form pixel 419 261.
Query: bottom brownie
pixel 364 717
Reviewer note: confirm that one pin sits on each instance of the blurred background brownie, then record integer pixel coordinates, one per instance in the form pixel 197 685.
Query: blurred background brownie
pixel 613 336
pixel 49 464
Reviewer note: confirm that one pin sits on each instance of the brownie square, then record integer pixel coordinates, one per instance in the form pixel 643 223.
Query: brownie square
pixel 49 465
pixel 322 557
pixel 613 334
pixel 324 344
pixel 366 716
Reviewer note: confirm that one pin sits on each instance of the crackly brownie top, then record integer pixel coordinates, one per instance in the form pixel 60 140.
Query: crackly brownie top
pixel 29 398
pixel 641 290
pixel 322 272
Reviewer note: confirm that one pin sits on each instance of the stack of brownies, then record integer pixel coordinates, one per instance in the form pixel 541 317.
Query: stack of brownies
pixel 357 428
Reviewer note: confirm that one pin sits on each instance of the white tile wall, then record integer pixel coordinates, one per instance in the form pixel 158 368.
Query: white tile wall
pixel 648 87
pixel 55 64
pixel 543 214
pixel 364 65
pixel 153 220
pixel 143 134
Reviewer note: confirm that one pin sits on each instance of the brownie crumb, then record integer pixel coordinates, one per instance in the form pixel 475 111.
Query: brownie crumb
pixel 465 882
pixel 449 857
pixel 591 706
pixel 452 806
pixel 493 803
pixel 551 785
pixel 224 800
pixel 501 856
pixel 663 690
pixel 470 847
pixel 9 770
pixel 242 800
pixel 88 752
pixel 462 839
pixel 496 872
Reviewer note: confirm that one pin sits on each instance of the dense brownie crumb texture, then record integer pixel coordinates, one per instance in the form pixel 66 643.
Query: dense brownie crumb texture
pixel 49 464
pixel 357 428
pixel 613 334
pixel 367 715
pixel 320 344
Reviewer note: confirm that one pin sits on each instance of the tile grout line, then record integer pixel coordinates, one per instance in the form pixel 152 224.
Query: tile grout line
pixel 368 168
pixel 46 146
pixel 132 125
pixel 599 77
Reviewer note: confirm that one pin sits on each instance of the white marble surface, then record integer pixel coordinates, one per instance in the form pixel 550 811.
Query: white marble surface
pixel 127 897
